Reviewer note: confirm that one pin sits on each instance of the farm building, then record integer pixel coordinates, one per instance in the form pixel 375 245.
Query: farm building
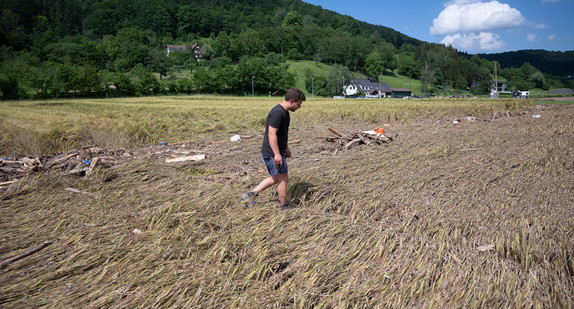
pixel 195 49
pixel 400 93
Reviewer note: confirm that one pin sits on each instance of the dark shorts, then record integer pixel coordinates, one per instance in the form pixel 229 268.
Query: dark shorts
pixel 271 166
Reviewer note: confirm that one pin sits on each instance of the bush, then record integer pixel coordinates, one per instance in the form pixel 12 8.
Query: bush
pixel 10 88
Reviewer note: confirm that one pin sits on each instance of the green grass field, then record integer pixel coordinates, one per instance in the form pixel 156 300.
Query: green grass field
pixel 400 81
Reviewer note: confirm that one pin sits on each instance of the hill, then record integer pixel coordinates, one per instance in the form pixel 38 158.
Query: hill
pixel 551 62
pixel 79 49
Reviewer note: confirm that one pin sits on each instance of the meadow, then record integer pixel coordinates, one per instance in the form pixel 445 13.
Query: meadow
pixel 45 127
pixel 474 214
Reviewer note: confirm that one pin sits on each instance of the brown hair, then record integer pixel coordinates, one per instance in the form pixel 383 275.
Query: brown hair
pixel 294 94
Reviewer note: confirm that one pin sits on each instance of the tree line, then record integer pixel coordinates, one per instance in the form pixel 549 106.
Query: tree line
pixel 63 48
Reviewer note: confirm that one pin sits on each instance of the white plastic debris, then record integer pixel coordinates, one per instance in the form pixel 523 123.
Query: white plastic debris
pixel 455 122
pixel 137 231
pixel 235 138
pixel 372 132
pixel 469 118
pixel 536 116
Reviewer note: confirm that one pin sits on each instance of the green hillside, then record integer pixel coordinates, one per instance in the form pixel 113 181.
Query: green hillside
pixel 67 49
pixel 300 69
pixel 400 81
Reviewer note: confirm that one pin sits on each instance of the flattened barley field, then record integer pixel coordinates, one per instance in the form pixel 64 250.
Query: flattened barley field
pixel 474 214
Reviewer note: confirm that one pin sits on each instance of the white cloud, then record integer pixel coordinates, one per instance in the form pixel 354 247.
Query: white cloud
pixel 461 2
pixel 474 42
pixel 540 26
pixel 549 1
pixel 531 37
pixel 552 37
pixel 468 16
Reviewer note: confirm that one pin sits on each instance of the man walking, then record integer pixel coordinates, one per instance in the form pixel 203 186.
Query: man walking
pixel 275 149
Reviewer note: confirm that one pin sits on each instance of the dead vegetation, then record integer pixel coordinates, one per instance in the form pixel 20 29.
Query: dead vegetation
pixel 475 214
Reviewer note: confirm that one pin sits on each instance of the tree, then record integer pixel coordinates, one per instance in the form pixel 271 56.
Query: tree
pixel 226 78
pixel 537 79
pixel 102 21
pixel 159 62
pixel 124 85
pixel 293 18
pixel 145 82
pixel 202 81
pixel 406 65
pixel 388 57
pixel 67 78
pixel 89 80
pixel 185 85
pixel 374 65
pixel 10 88
pixel 427 78
pixel 41 79
pixel 338 77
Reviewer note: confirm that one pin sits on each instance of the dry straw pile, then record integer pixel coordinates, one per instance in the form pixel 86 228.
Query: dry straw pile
pixel 475 214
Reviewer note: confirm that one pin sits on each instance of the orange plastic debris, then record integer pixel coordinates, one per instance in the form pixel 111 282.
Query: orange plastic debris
pixel 380 130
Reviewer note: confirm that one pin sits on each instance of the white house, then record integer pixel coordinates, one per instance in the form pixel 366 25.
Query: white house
pixel 368 88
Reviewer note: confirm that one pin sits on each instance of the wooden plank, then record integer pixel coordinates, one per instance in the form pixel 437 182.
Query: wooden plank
pixel 92 165
pixel 62 158
pixel 187 158
pixel 335 132
pixel 78 170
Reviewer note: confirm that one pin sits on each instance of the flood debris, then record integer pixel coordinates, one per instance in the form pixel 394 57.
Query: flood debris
pixel 81 161
pixel 74 190
pixel 359 137
pixel 85 160
pixel 185 158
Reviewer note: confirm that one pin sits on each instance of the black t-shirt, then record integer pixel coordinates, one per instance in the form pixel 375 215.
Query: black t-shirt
pixel 278 118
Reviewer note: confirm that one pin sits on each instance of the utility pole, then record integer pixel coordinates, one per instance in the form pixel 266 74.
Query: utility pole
pixel 252 88
pixel 495 81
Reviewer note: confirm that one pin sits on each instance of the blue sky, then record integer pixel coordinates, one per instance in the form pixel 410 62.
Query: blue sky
pixel 472 26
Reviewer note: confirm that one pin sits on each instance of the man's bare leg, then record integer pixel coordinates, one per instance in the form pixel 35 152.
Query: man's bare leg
pixel 283 179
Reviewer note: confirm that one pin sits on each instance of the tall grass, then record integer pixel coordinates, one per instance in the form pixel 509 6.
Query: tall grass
pixel 42 127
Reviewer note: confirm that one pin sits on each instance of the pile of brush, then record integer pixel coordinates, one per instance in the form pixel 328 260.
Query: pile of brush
pixel 359 137
pixel 76 161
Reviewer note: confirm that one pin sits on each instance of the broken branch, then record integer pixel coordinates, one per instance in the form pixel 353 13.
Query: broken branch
pixel 5 263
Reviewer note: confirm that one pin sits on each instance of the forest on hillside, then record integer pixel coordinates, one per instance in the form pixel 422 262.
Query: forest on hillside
pixel 97 48
pixel 552 62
